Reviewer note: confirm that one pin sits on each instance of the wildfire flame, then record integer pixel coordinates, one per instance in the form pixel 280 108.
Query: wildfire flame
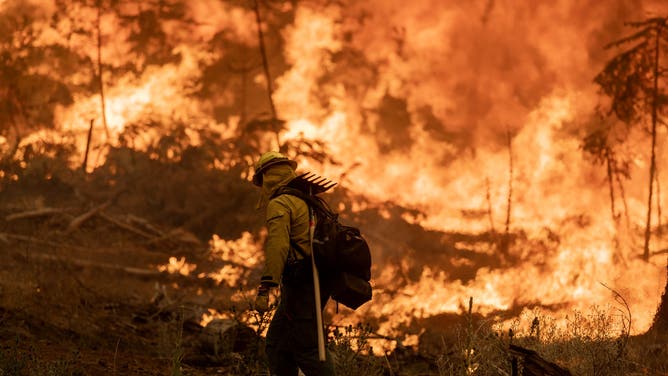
pixel 550 186
pixel 478 85
pixel 241 255
pixel 178 266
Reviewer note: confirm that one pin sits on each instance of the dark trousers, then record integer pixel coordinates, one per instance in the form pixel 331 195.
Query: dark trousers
pixel 292 342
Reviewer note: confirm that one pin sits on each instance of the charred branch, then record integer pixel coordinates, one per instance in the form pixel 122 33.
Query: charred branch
pixel 124 225
pixel 100 265
pixel 84 165
pixel 31 239
pixel 535 365
pixel 43 212
pixel 78 221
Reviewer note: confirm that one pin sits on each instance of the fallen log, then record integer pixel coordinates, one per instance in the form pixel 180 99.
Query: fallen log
pixel 86 263
pixel 5 237
pixel 133 219
pixel 78 221
pixel 124 225
pixel 534 364
pixel 43 212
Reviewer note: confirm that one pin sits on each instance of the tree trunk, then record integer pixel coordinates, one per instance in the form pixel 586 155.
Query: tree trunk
pixel 658 201
pixel 506 236
pixel 652 165
pixel 265 65
pixel 622 194
pixel 99 71
pixel 489 207
pixel 611 186
pixel 84 165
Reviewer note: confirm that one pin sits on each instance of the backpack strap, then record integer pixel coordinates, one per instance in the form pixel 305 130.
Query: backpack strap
pixel 297 193
pixel 318 204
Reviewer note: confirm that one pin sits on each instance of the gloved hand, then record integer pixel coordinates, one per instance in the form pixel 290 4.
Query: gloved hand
pixel 262 299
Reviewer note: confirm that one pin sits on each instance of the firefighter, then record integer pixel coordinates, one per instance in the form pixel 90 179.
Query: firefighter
pixel 292 335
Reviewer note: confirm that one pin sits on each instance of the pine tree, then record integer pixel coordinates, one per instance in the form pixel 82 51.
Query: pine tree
pixel 635 81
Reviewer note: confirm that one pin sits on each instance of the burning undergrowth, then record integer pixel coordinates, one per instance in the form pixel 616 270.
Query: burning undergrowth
pixel 145 219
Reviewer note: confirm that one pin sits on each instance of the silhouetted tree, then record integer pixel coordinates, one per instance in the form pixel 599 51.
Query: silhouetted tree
pixel 29 95
pixel 602 143
pixel 635 82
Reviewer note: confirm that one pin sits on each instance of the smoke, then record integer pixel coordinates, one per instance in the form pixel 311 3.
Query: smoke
pixel 480 66
pixel 441 84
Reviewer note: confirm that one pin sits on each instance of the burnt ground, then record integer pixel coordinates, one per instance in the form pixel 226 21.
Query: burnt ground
pixel 93 302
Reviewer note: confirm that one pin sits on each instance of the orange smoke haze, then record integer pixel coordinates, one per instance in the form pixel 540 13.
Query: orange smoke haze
pixel 417 101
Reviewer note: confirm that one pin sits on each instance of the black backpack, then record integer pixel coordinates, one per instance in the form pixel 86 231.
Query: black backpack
pixel 341 253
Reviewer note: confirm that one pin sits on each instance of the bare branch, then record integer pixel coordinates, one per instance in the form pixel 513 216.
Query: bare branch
pixel 124 225
pixel 43 212
pixel 78 221
pixel 638 35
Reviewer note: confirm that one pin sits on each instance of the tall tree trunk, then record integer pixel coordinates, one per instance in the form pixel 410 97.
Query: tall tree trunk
pixel 611 185
pixel 658 201
pixel 510 183
pixel 652 165
pixel 622 193
pixel 99 70
pixel 265 65
pixel 489 207
pixel 506 236
pixel 84 165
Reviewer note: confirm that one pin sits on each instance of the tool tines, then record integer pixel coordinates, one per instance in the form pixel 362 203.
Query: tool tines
pixel 313 183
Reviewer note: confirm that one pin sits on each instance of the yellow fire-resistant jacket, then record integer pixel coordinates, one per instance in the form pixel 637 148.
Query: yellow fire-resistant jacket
pixel 287 219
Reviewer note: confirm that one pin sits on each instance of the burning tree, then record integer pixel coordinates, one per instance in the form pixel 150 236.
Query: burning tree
pixel 635 82
pixel 28 95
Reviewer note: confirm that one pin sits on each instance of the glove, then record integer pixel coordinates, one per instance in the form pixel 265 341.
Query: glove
pixel 262 299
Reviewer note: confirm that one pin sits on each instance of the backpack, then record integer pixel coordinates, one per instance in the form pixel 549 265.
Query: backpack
pixel 341 253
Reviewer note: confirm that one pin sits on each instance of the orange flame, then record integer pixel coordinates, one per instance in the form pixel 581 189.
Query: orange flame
pixel 551 184
pixel 482 71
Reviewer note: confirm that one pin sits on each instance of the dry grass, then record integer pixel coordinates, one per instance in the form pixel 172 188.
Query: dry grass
pixel 350 350
pixel 595 342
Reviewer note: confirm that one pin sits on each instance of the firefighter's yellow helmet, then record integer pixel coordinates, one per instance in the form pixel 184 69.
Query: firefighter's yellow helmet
pixel 267 160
